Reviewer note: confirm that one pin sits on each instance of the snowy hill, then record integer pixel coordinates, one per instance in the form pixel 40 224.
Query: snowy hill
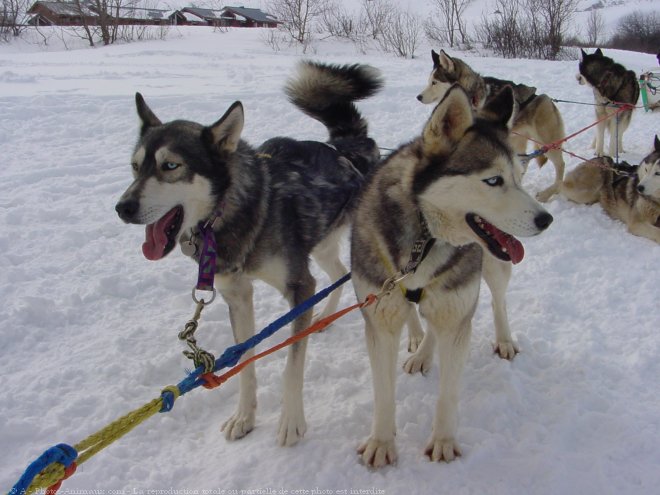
pixel 89 326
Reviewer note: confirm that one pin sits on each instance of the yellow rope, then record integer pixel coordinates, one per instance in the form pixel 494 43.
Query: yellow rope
pixel 101 439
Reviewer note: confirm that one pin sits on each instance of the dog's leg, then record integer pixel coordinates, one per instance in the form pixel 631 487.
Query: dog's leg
pixel 415 331
pixel 326 255
pixel 551 131
pixel 497 274
pixel 450 316
pixel 624 122
pixel 237 292
pixel 383 324
pixel 615 133
pixel 422 359
pixel 453 346
pixel 382 344
pixel 557 160
pixel 600 136
pixel 292 420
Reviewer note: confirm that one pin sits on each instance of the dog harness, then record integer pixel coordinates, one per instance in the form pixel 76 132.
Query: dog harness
pixel 419 251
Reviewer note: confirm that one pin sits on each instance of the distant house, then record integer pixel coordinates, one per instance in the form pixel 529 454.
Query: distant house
pixel 246 17
pixel 84 12
pixel 46 13
pixel 196 16
pixel 61 14
pixel 226 17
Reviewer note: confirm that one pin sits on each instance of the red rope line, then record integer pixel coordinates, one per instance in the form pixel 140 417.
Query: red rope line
pixel 213 381
pixel 556 145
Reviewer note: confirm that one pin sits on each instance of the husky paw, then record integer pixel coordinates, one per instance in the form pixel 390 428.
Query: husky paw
pixel 238 425
pixel 378 453
pixel 292 428
pixel 445 449
pixel 418 364
pixel 506 350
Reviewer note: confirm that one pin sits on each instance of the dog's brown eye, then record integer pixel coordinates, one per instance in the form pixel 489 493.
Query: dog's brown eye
pixel 135 166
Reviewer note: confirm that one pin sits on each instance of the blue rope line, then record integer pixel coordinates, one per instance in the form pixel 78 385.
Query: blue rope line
pixel 233 354
pixel 65 454
pixel 62 453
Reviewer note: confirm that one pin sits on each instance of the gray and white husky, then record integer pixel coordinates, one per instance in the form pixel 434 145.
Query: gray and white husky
pixel 632 197
pixel 459 178
pixel 611 83
pixel 273 207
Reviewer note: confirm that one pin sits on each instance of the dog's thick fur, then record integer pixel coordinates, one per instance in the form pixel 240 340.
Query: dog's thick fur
pixel 611 83
pixel 279 204
pixel 633 198
pixel 536 117
pixel 460 176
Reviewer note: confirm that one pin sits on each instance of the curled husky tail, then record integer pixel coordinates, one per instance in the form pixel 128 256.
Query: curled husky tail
pixel 327 92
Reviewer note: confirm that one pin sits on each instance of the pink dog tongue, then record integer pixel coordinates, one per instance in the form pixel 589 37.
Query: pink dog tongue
pixel 513 246
pixel 156 238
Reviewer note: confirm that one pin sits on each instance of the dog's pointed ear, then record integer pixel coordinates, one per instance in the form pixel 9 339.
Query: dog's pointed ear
pixel 599 52
pixel 656 144
pixel 499 108
pixel 436 58
pixel 446 62
pixel 225 134
pixel 448 122
pixel 147 117
pixel 584 54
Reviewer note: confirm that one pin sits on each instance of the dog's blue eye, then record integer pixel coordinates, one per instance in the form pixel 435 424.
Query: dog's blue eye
pixel 169 166
pixel 494 181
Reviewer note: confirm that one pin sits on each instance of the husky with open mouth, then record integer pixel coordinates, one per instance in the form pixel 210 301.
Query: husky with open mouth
pixel 456 187
pixel 270 208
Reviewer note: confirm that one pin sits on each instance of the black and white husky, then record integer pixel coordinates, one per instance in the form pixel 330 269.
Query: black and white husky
pixel 274 206
pixel 612 84
pixel 458 182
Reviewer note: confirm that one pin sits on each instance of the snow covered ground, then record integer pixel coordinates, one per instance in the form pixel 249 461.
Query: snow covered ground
pixel 89 326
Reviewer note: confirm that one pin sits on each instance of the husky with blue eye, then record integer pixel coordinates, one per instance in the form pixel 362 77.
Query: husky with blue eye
pixel 457 185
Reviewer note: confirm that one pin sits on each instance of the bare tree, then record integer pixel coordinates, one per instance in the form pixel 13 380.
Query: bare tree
pixel 447 22
pixel 557 16
pixel 595 27
pixel 376 15
pixel 299 17
pixel 502 31
pixel 527 28
pixel 402 34
pixel 638 31
pixel 88 32
pixel 13 18
pixel 336 21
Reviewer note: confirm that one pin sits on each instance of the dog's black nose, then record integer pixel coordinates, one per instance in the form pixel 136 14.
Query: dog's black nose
pixel 127 208
pixel 640 189
pixel 543 220
pixel 419 97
